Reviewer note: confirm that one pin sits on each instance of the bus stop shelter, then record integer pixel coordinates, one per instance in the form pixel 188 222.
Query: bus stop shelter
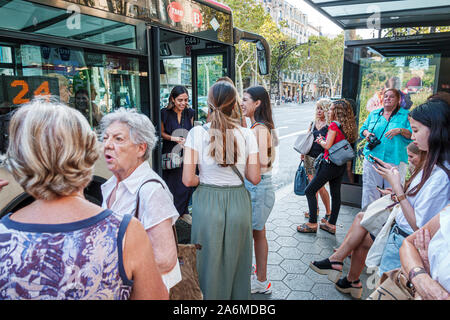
pixel 362 14
pixel 416 60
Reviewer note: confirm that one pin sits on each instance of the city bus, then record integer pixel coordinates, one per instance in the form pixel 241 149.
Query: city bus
pixel 100 55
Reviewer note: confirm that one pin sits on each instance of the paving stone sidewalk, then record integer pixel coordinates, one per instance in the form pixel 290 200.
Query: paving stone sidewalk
pixel 290 252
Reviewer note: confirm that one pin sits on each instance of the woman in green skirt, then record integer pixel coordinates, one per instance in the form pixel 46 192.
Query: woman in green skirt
pixel 225 152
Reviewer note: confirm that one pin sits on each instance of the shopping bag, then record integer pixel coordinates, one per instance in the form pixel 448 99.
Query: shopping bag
pixel 393 286
pixel 301 180
pixel 377 214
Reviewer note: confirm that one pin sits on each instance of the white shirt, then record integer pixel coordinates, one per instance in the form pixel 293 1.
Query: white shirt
pixel 198 139
pixel 432 198
pixel 156 201
pixel 155 206
pixel 439 251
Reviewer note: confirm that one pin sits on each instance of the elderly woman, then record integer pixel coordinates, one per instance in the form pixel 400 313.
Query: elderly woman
pixel 128 139
pixel 387 132
pixel 62 246
pixel 425 258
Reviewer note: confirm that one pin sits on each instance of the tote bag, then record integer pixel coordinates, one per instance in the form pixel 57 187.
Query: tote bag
pixel 304 141
pixel 301 180
pixel 377 214
pixel 375 253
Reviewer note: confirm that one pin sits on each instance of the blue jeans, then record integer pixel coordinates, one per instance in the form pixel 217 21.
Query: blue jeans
pixel 263 199
pixel 390 259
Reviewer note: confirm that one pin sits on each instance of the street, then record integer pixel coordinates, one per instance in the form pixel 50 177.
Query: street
pixel 290 119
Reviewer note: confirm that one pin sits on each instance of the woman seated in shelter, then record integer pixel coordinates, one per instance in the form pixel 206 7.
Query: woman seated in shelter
pixel 62 246
pixel 128 139
pixel 358 240
pixel 425 258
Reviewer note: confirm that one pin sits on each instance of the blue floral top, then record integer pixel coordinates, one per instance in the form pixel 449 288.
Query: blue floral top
pixel 79 260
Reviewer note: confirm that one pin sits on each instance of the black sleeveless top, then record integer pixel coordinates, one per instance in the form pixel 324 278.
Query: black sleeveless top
pixel 317 149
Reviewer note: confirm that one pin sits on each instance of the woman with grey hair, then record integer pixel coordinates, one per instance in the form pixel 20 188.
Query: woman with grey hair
pixel 62 246
pixel 128 139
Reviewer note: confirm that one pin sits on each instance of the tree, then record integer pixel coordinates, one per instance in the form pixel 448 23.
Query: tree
pixel 250 16
pixel 325 59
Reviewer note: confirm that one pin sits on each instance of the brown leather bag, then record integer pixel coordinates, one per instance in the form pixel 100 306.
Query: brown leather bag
pixel 189 287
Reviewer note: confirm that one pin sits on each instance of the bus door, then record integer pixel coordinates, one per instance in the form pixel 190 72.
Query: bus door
pixel 208 65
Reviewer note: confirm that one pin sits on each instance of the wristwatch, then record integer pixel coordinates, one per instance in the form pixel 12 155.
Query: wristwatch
pixel 414 272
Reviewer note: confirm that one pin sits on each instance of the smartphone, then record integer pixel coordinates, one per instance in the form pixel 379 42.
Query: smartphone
pixel 375 160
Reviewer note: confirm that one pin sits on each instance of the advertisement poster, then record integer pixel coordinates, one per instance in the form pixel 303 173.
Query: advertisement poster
pixel 414 76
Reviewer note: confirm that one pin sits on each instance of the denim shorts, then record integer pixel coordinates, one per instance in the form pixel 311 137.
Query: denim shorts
pixel 263 199
pixel 390 259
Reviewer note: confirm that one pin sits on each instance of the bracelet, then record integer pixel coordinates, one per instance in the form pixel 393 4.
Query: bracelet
pixel 400 197
pixel 415 272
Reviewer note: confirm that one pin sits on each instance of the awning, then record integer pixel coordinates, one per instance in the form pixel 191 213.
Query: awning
pixel 376 14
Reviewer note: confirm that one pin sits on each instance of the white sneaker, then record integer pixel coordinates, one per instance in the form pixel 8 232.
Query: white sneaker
pixel 264 287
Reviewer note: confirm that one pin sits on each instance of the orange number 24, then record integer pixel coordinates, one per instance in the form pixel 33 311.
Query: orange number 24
pixel 42 90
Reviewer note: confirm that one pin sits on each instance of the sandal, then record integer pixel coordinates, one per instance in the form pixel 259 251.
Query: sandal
pixel 325 267
pixel 304 228
pixel 328 229
pixel 345 286
pixel 325 218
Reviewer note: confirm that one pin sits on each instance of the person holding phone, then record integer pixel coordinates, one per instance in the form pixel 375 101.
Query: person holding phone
pixel 387 132
pixel 342 126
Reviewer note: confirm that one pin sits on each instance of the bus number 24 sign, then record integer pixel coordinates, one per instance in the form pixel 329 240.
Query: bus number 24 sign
pixel 18 90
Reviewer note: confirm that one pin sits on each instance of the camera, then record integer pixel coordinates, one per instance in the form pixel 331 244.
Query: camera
pixel 373 142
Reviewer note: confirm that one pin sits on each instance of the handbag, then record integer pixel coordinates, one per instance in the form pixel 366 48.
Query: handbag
pixel 171 160
pixel 304 141
pixel 301 180
pixel 393 286
pixel 342 151
pixel 377 213
pixel 375 253
pixel 189 286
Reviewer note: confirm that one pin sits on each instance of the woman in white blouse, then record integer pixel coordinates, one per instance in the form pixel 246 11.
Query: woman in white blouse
pixel 128 138
pixel 428 191
pixel 425 257
pixel 221 206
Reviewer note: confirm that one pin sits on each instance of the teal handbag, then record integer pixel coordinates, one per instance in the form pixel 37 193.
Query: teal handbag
pixel 301 180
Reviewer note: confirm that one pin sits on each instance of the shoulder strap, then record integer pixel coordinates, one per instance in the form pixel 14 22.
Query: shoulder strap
pixel 340 128
pixel 136 214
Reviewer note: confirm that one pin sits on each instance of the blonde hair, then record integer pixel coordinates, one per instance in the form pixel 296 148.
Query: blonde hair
pixel 52 149
pixel 324 104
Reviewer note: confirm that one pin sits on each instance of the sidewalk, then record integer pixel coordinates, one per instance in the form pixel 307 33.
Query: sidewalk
pixel 290 252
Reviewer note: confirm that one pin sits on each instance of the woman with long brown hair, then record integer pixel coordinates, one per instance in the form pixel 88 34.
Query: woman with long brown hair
pixel 256 106
pixel 342 126
pixel 221 206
